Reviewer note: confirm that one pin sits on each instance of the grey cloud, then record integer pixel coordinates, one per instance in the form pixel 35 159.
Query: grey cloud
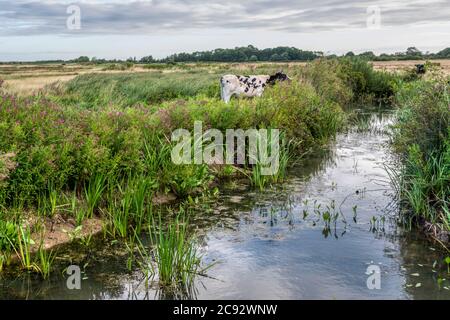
pixel 147 17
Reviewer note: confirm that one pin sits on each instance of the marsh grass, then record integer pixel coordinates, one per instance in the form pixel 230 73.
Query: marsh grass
pixel 171 254
pixel 119 216
pixel 76 209
pixel 288 156
pixel 157 154
pixel 3 261
pixel 129 204
pixel 93 192
pixel 425 187
pixel 45 261
pixel 175 250
pixel 421 137
pixel 23 249
pixel 47 204
pixel 176 255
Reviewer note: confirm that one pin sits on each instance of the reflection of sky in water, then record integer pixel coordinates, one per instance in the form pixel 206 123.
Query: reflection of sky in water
pixel 265 248
pixel 276 253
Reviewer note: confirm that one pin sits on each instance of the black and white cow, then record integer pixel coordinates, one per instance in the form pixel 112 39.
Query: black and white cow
pixel 420 69
pixel 248 86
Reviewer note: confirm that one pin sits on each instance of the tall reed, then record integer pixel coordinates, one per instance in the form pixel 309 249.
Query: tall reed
pixel 175 251
pixel 93 192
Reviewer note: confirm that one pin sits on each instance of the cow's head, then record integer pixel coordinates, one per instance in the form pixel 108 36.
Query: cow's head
pixel 279 76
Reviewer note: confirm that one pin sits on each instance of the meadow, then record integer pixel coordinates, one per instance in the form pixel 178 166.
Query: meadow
pixel 92 153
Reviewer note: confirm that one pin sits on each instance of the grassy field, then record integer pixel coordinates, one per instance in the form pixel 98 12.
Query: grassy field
pixel 92 150
pixel 25 79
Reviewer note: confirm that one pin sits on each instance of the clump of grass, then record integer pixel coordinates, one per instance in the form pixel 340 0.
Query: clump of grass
pixel 23 248
pixel 77 211
pixel 129 205
pixel 288 156
pixel 119 214
pixel 176 256
pixel 172 254
pixel 45 261
pixel 3 260
pixel 425 186
pixel 422 139
pixel 93 192
pixel 8 237
pixel 257 179
pixel 40 263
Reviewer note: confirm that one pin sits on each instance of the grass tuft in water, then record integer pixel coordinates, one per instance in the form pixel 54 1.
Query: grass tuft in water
pixel 45 261
pixel 175 251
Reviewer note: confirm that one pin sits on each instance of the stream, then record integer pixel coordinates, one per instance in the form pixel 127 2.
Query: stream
pixel 314 237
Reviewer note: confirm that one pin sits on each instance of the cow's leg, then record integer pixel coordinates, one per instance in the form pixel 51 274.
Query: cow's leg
pixel 226 94
pixel 227 97
pixel 222 95
pixel 259 93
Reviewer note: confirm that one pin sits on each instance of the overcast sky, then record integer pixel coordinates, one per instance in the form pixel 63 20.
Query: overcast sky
pixel 36 30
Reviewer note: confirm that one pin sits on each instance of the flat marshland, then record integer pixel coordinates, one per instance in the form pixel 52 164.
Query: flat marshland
pixel 85 162
pixel 28 78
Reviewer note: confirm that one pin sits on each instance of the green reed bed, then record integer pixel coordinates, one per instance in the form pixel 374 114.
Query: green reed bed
pixel 171 256
pixel 422 140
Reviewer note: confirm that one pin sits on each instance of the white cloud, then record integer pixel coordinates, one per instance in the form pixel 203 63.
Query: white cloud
pixel 186 25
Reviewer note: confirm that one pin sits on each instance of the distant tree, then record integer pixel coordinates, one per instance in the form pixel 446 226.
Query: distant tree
pixel 240 54
pixel 147 59
pixel 275 57
pixel 319 53
pixel 413 51
pixel 284 56
pixel 368 55
pixel 82 59
pixel 350 54
pixel 443 53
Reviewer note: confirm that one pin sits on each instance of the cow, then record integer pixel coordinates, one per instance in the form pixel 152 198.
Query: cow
pixel 420 69
pixel 248 86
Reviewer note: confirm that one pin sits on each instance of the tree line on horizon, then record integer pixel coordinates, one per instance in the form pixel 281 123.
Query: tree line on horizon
pixel 252 54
